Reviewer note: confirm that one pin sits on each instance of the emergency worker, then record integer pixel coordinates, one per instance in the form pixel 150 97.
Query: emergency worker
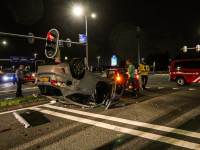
pixel 131 76
pixel 144 69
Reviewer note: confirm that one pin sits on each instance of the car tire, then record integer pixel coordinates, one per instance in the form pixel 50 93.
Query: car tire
pixel 138 90
pixel 77 68
pixel 180 81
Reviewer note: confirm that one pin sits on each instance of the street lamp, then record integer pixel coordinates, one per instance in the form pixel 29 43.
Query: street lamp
pixel 35 60
pixel 65 58
pixel 78 11
pixel 138 36
pixel 4 42
pixel 98 62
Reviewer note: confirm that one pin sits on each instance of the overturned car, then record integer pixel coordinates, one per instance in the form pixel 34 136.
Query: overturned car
pixel 69 82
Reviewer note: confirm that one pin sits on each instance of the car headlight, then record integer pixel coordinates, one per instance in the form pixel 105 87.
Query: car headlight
pixel 5 78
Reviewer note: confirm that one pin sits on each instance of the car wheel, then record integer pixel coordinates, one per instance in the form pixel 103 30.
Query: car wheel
pixel 77 68
pixel 138 90
pixel 180 81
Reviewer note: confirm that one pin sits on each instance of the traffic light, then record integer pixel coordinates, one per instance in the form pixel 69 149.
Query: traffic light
pixel 198 48
pixel 184 49
pixel 51 43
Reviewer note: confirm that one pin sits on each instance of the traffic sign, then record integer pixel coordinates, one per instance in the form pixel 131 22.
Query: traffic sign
pixel 22 59
pixel 82 38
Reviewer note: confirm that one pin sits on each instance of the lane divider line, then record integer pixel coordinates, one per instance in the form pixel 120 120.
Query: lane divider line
pixel 151 136
pixel 130 122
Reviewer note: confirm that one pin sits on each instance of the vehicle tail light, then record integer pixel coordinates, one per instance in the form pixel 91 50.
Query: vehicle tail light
pixel 55 83
pixel 63 70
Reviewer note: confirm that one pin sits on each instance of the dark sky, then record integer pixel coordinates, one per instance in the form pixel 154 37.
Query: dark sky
pixel 166 25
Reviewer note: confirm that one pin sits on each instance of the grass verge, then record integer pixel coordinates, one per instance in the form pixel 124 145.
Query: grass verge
pixel 21 100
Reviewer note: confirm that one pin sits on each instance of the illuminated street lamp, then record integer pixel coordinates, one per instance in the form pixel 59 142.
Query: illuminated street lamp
pixel 78 11
pixel 4 42
pixel 98 62
pixel 65 58
pixel 35 61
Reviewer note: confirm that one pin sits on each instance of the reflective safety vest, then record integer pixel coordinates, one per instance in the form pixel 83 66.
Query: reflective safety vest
pixel 144 69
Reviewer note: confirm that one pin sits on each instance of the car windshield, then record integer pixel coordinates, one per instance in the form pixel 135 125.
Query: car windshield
pixel 26 74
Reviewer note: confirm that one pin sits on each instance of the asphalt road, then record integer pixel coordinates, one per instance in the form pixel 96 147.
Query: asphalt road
pixel 163 117
pixel 8 90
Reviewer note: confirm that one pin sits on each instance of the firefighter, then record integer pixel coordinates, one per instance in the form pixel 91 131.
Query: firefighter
pixel 144 69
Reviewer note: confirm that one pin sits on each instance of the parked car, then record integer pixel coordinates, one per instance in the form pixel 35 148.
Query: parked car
pixel 185 71
pixel 4 78
pixel 69 82
pixel 119 75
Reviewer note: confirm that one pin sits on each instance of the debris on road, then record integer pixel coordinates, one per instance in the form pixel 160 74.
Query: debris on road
pixel 53 101
pixel 4 130
pixel 21 119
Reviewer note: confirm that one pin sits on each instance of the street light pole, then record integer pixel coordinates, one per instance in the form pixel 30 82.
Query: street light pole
pixel 98 62
pixel 138 35
pixel 86 42
pixel 35 61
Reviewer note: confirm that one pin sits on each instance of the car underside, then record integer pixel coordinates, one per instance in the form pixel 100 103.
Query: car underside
pixel 70 83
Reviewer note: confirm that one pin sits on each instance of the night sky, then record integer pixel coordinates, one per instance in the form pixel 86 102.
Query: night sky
pixel 165 26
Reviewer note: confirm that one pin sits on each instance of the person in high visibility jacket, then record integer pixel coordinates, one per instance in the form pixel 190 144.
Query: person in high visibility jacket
pixel 144 69
pixel 131 75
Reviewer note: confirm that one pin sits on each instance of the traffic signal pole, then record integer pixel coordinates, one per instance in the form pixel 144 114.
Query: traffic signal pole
pixel 39 38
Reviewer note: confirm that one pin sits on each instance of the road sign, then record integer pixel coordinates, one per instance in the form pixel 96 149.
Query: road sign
pixel 22 59
pixel 113 60
pixel 82 38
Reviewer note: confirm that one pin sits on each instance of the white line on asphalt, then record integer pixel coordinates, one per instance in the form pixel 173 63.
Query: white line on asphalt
pixel 191 89
pixel 6 112
pixel 148 87
pixel 151 136
pixel 131 122
pixel 7 86
pixel 175 88
pixel 161 87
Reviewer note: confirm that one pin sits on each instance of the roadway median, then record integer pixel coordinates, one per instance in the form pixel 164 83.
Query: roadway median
pixel 22 102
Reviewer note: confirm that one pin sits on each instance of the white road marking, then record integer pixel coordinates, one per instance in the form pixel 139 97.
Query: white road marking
pixel 151 136
pixel 161 87
pixel 7 86
pixel 175 88
pixel 192 89
pixel 148 87
pixel 131 122
pixel 6 112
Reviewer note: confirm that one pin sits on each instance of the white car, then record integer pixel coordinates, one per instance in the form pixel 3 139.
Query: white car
pixel 69 82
